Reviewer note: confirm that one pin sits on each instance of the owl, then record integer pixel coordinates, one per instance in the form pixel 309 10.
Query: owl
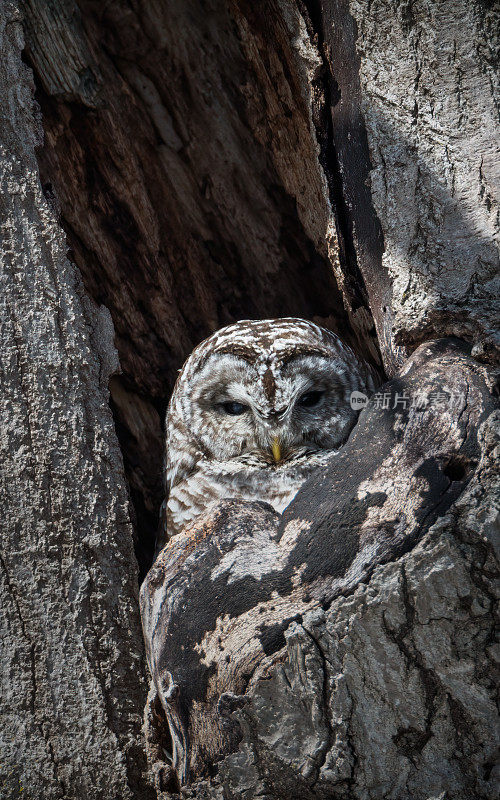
pixel 257 407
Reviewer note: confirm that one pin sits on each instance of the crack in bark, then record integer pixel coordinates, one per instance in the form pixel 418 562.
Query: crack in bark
pixel 13 593
pixel 324 89
pixel 326 696
pixel 430 683
pixel 410 740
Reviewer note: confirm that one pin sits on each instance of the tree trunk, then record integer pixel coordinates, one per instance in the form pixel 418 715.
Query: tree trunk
pixel 72 656
pixel 167 168
pixel 272 658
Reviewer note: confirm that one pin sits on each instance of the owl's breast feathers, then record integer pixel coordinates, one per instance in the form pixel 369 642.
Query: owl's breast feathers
pixel 247 477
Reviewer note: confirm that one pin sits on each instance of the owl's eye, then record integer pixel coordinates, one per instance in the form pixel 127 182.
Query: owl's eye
pixel 310 399
pixel 234 408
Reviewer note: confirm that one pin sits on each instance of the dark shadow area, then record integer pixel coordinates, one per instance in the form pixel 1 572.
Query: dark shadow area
pixel 178 154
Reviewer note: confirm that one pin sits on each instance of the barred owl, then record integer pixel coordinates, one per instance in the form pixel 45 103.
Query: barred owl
pixel 256 408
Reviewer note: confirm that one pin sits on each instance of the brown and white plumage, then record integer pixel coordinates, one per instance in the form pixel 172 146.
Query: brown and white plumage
pixel 256 408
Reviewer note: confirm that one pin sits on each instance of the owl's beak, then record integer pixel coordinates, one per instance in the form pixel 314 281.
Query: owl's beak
pixel 276 449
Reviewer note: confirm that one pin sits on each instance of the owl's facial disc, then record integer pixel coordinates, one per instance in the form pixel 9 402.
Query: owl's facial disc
pixel 272 410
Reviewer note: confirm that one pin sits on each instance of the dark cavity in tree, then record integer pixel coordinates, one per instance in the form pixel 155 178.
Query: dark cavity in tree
pixel 182 220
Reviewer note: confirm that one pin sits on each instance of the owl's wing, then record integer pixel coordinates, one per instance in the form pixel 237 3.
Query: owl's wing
pixel 181 459
pixel 181 453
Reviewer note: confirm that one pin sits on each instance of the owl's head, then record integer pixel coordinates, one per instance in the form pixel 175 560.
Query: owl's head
pixel 268 389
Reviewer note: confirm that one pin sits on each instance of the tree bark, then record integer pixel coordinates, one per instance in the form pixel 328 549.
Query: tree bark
pixel 72 656
pixel 185 164
pixel 260 667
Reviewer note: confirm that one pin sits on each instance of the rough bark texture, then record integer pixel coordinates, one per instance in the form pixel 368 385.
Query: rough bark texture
pixel 72 657
pixel 373 693
pixel 180 151
pixel 207 161
pixel 417 119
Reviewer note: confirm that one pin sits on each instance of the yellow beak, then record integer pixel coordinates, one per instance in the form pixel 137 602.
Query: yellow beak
pixel 276 449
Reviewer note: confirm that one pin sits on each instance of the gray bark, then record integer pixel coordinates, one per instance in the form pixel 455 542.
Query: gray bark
pixel 415 132
pixel 72 656
pixel 204 162
pixel 429 98
pixel 385 684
